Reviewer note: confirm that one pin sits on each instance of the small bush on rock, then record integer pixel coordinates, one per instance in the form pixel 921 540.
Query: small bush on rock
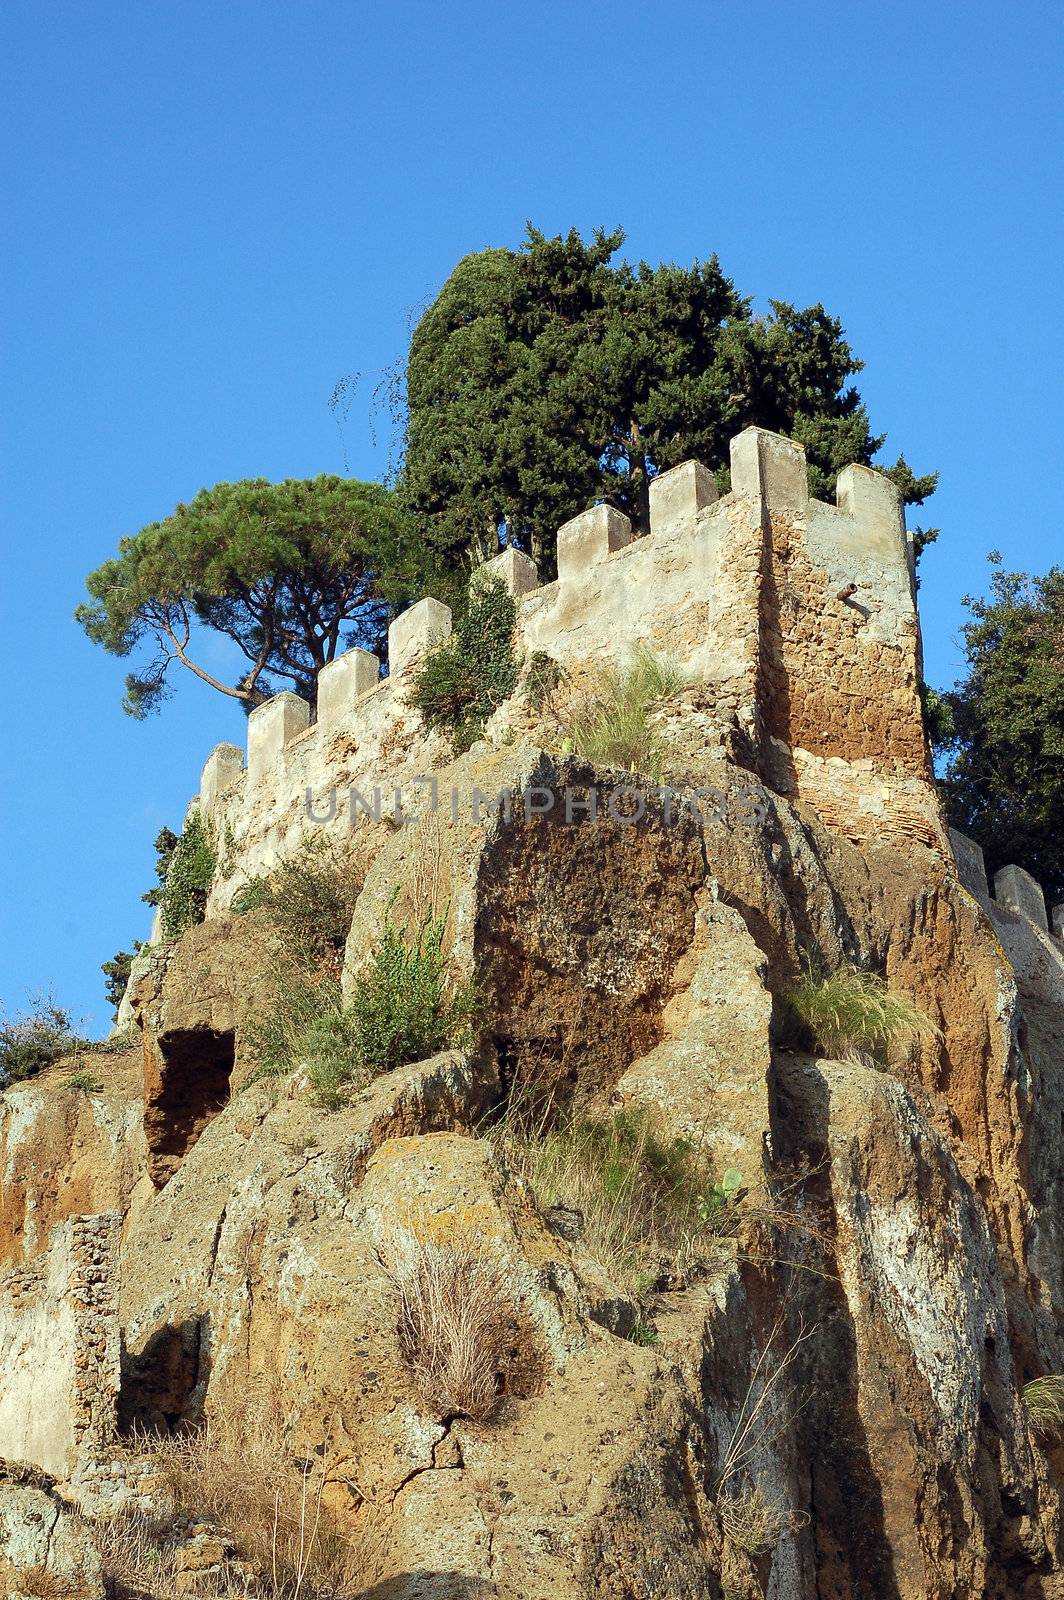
pixel 34 1040
pixel 851 1014
pixel 407 1008
pixel 466 678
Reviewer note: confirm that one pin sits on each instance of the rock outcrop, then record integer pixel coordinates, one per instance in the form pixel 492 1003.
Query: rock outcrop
pixel 826 1406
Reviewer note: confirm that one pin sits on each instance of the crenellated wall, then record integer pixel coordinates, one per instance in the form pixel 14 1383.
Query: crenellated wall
pixel 794 619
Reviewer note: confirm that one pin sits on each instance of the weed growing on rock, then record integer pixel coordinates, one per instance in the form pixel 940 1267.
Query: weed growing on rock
pixel 612 723
pixel 851 1014
pixel 189 876
pixel 83 1080
pixel 406 1007
pixel 1043 1401
pixel 752 1520
pixel 462 681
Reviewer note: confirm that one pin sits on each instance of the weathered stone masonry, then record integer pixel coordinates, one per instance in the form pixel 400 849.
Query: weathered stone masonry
pixel 60 1349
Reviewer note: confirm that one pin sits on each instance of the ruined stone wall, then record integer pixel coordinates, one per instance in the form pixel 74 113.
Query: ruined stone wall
pixel 60 1348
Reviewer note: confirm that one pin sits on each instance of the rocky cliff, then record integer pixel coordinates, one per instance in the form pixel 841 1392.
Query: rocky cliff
pixel 821 1395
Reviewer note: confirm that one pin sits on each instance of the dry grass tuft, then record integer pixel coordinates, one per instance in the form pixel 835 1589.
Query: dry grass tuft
pixel 753 1521
pixel 1043 1401
pixel 248 1472
pixel 464 1339
pixel 852 1015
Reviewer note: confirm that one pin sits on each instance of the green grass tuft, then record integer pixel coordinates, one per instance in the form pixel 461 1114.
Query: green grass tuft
pixel 612 724
pixel 851 1013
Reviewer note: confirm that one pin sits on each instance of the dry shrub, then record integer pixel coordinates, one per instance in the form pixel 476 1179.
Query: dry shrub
pixel 752 1520
pixel 465 1340
pixel 246 1471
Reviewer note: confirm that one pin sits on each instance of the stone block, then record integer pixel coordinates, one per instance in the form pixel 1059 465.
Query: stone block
pixel 588 539
pixel 769 467
pixel 270 727
pixel 677 496
pixel 222 770
pixel 343 681
pixel 518 572
pixel 1017 891
pixel 971 869
pixel 415 632
pixel 1057 922
pixel 876 503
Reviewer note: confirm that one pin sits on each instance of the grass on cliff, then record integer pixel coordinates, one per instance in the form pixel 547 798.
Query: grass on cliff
pixel 1043 1401
pixel 611 721
pixel 852 1015
pixel 647 1201
pixel 249 1473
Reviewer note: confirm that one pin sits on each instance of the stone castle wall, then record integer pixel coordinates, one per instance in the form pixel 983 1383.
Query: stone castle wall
pixel 796 619
pixel 60 1349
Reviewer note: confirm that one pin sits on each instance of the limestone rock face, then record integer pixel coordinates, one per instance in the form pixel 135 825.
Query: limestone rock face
pixel 855 1354
pixel 45 1549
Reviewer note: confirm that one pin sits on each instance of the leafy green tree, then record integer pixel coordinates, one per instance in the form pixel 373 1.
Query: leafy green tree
pixel 542 379
pixel 1004 738
pixel 116 974
pixel 291 573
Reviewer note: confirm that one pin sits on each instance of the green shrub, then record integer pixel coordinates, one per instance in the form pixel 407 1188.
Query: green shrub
pixel 462 681
pixel 188 878
pixel 406 1008
pixel 165 845
pixel 83 1080
pixel 851 1013
pixel 1043 1401
pixel 611 725
pixel 116 974
pixel 33 1041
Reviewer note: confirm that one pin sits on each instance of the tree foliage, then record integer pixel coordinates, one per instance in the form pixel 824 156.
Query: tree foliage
pixel 1004 738
pixel 291 573
pixel 542 379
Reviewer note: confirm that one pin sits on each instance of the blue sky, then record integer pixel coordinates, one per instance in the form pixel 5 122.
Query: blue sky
pixel 214 212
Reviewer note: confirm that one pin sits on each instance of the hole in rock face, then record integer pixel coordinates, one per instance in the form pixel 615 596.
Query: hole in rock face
pixel 186 1085
pixel 162 1386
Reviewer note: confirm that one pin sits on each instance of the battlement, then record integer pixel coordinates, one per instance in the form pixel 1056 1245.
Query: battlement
pixel 795 618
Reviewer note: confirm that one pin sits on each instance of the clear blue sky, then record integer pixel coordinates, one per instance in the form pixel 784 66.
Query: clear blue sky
pixel 212 212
